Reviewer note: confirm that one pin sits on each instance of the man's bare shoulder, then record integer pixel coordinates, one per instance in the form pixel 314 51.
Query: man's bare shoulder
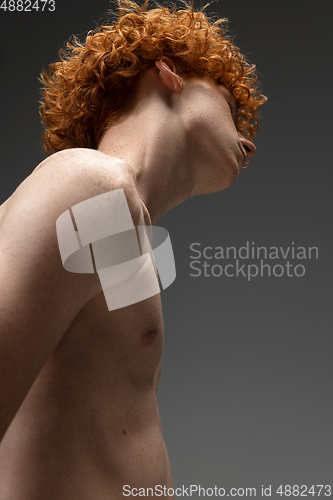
pixel 62 181
pixel 83 168
pixel 81 158
pixel 71 176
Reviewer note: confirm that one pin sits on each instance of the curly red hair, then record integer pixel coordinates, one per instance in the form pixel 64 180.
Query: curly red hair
pixel 92 84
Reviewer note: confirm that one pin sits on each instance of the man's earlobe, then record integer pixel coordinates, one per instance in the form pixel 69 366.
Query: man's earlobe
pixel 168 77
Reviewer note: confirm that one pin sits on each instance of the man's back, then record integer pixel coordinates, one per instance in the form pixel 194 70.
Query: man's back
pixel 90 423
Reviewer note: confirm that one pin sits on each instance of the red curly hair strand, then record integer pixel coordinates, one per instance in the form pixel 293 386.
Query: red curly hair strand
pixel 92 84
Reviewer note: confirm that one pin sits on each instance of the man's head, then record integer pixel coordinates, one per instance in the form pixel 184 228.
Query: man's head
pixel 194 120
pixel 94 83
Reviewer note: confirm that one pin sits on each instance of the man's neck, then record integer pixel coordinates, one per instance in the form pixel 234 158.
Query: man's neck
pixel 154 147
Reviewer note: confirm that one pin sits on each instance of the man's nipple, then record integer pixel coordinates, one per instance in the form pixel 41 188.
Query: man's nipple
pixel 148 337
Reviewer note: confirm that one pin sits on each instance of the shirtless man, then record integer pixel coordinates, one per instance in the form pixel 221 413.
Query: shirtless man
pixel 130 109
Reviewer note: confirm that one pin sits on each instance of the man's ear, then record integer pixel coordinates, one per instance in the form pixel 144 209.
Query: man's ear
pixel 168 77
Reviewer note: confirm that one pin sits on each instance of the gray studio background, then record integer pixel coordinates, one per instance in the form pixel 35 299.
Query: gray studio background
pixel 246 388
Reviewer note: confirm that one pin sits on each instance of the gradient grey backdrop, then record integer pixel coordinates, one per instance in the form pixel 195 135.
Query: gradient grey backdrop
pixel 246 388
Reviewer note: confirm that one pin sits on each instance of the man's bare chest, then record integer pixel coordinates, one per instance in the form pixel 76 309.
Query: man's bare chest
pixel 123 345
